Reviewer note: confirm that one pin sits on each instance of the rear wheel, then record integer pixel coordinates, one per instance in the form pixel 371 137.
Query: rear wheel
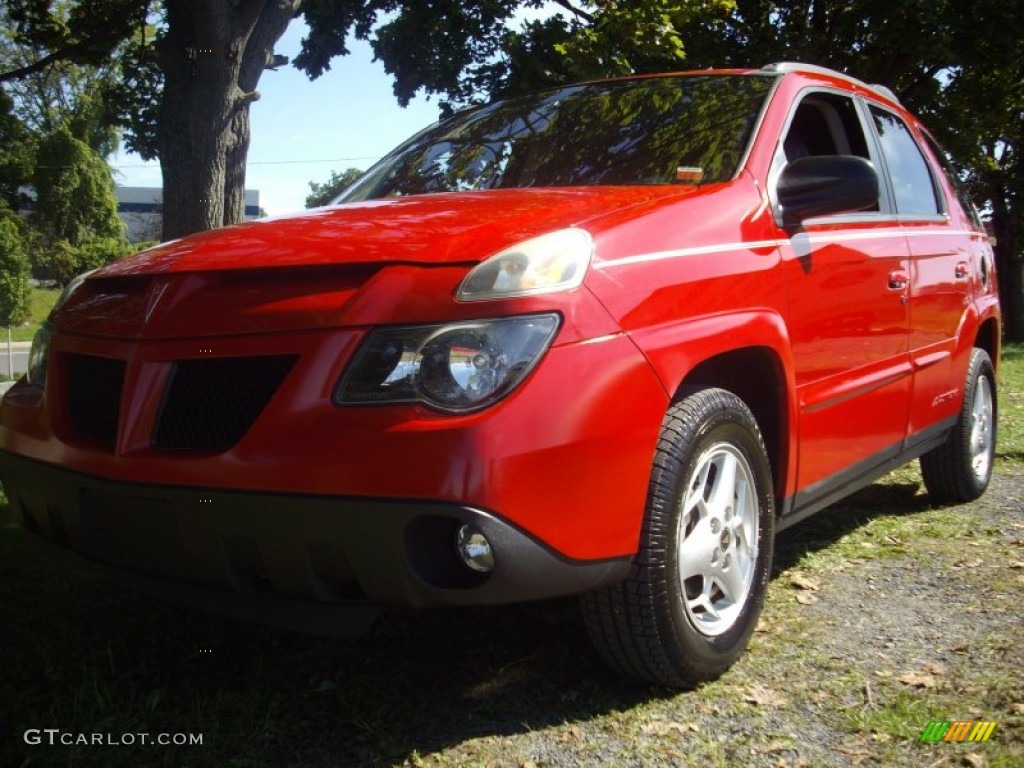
pixel 960 469
pixel 695 589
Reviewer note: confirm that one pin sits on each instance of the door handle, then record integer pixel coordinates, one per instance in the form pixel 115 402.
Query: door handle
pixel 898 279
pixel 962 270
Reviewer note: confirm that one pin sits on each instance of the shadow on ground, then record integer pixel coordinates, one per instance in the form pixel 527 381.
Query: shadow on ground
pixel 84 655
pixel 833 523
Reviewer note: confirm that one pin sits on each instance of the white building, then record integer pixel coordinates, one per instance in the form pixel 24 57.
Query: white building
pixel 140 208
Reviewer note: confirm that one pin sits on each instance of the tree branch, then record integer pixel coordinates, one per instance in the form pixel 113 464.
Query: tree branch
pixel 575 11
pixel 37 66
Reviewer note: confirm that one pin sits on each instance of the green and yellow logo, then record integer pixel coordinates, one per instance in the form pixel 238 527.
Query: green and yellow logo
pixel 958 730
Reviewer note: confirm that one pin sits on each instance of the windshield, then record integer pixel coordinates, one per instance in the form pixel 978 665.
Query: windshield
pixel 667 130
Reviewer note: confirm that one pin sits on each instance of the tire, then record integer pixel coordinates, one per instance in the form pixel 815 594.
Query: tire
pixel 696 586
pixel 960 469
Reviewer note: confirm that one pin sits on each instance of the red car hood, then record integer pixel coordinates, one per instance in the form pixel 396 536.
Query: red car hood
pixel 436 229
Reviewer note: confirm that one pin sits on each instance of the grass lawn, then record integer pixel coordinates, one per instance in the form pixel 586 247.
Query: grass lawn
pixel 40 302
pixel 883 614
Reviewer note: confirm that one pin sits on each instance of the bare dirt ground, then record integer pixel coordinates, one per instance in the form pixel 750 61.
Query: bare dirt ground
pixel 884 614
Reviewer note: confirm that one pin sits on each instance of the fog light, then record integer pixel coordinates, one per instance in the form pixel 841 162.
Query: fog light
pixel 474 549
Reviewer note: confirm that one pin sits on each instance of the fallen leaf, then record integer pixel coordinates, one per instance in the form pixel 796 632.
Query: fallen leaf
pixel 961 648
pixel 1018 707
pixel 775 746
pixel 917 680
pixel 764 627
pixel 934 669
pixel 764 697
pixel 671 753
pixel 1017 564
pixel 805 598
pixel 659 728
pixel 802 582
pixel 572 733
pixel 968 563
pixel 857 756
pixel 974 760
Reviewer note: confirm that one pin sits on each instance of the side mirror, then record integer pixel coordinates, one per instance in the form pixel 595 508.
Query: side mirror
pixel 822 185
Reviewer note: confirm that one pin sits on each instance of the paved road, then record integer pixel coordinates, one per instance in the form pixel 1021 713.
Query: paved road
pixel 19 356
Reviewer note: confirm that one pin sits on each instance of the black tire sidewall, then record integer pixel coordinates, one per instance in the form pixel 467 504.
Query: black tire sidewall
pixel 735 426
pixel 980 365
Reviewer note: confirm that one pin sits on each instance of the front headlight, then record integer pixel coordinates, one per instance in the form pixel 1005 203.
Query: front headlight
pixel 39 356
pixel 455 367
pixel 69 289
pixel 556 261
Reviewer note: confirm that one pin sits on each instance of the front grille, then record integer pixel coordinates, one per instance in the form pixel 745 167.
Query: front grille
pixel 209 405
pixel 94 397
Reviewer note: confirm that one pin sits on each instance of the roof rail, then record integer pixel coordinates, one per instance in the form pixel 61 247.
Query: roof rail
pixel 784 67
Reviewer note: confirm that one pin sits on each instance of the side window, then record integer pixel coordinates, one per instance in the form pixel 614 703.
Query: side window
pixel 912 182
pixel 824 123
pixel 953 176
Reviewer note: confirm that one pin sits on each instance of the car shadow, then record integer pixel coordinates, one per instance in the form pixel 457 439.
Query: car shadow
pixel 824 528
pixel 89 654
pixel 100 657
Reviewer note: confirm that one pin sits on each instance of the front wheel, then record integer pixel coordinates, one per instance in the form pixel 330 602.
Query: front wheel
pixel 959 470
pixel 695 589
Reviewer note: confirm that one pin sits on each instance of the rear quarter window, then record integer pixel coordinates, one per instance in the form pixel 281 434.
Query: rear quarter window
pixel 913 185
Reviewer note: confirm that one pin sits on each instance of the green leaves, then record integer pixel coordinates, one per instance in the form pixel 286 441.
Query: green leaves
pixel 14 270
pixel 75 210
pixel 322 194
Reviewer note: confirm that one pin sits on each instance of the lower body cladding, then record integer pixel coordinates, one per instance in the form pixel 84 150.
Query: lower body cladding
pixel 312 563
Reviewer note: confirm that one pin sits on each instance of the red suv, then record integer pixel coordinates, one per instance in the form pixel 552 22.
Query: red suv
pixel 605 339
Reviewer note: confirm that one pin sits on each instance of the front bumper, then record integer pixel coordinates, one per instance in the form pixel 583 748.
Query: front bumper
pixel 314 563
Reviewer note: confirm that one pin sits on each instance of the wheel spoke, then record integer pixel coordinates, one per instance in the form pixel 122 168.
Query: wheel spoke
pixel 695 551
pixel 697 498
pixel 732 582
pixel 701 606
pixel 724 492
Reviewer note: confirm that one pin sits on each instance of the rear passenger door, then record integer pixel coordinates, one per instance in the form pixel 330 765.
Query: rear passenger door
pixel 848 282
pixel 940 238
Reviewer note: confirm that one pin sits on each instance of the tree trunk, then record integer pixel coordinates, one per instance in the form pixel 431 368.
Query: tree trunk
pixel 212 58
pixel 1010 271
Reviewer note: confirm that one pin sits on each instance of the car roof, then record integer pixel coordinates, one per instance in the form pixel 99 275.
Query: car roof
pixel 776 68
pixel 787 67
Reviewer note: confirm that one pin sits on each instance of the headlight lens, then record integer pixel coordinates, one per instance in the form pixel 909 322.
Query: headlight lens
pixel 39 356
pixel 456 367
pixel 70 288
pixel 556 261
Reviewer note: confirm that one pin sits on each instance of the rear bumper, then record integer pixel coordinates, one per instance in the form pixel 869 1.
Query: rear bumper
pixel 317 563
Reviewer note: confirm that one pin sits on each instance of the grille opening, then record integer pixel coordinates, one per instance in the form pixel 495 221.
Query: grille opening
pixel 209 405
pixel 94 397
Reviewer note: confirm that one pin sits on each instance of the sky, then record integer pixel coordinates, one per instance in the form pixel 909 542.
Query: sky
pixel 303 130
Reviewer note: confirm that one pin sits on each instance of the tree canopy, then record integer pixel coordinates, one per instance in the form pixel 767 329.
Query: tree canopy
pixel 322 194
pixel 14 270
pixel 75 210
pixel 191 70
